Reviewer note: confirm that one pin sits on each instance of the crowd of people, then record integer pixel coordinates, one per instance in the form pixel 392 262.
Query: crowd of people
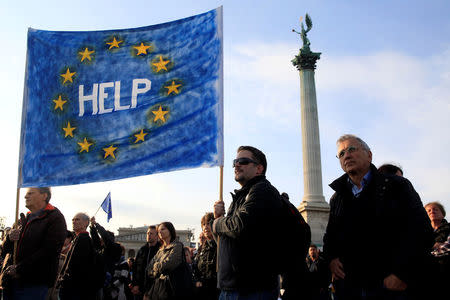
pixel 380 243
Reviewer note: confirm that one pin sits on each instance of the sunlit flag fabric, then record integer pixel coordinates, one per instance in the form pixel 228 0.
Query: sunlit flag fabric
pixel 106 206
pixel 104 105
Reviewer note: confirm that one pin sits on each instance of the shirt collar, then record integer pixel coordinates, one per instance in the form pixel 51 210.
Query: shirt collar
pixel 356 191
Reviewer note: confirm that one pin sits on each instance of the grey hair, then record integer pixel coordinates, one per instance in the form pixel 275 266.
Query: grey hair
pixel 84 216
pixel 352 136
pixel 45 190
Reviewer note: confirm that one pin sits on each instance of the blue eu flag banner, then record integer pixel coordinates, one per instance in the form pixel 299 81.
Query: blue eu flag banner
pixel 105 105
pixel 106 206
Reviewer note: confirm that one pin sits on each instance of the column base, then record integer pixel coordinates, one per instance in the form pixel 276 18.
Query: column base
pixel 316 215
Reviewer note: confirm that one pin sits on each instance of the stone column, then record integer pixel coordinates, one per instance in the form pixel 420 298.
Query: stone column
pixel 313 206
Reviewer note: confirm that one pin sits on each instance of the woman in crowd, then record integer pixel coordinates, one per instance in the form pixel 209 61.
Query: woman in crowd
pixel 436 213
pixel 205 275
pixel 168 265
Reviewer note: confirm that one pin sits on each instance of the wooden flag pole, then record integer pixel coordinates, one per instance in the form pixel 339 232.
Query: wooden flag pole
pixel 17 205
pixel 16 223
pixel 221 184
pixel 16 217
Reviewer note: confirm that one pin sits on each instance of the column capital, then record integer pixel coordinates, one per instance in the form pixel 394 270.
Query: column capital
pixel 306 59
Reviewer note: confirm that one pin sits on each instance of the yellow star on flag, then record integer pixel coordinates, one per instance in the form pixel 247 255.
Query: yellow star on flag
pixel 69 131
pixel 159 114
pixel 161 65
pixel 86 54
pixel 85 145
pixel 172 88
pixel 114 43
pixel 142 49
pixel 109 151
pixel 140 136
pixel 59 103
pixel 67 76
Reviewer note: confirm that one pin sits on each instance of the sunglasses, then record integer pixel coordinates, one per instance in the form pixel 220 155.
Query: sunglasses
pixel 349 149
pixel 243 161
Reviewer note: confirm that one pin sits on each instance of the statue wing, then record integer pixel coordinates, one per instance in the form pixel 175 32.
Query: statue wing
pixel 308 22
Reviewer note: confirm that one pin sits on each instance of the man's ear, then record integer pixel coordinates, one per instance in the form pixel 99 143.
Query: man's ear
pixel 259 169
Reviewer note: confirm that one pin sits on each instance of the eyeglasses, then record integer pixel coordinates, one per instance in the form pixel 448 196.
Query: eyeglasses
pixel 349 149
pixel 243 161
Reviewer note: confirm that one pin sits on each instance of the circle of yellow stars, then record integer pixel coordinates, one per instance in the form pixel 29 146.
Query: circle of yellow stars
pixel 86 55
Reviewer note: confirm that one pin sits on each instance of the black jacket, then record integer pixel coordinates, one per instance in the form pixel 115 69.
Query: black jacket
pixel 143 257
pixel 80 270
pixel 247 238
pixel 38 248
pixel 109 249
pixel 205 263
pixel 441 234
pixel 385 230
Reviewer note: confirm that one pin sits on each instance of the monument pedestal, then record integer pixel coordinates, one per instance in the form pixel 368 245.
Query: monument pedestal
pixel 316 215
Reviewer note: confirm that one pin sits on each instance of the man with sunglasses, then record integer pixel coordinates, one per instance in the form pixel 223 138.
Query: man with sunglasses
pixel 384 216
pixel 247 266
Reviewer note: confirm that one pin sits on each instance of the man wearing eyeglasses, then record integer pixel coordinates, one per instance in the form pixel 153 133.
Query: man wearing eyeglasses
pixel 245 234
pixel 384 216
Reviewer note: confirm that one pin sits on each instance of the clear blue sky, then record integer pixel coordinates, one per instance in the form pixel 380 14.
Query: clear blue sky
pixel 383 75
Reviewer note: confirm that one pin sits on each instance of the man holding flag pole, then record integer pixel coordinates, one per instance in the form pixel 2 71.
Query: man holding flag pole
pixel 106 105
pixel 39 240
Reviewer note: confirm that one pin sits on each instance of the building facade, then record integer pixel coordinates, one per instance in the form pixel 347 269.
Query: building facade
pixel 134 238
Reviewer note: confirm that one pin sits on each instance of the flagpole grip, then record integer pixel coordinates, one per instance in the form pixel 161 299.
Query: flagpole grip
pixel 221 184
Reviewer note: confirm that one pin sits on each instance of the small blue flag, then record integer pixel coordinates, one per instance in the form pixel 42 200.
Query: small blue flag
pixel 105 105
pixel 106 206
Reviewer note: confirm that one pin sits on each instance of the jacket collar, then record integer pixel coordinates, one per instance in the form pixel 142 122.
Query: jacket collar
pixel 249 184
pixel 82 232
pixel 47 208
pixel 342 183
pixel 171 245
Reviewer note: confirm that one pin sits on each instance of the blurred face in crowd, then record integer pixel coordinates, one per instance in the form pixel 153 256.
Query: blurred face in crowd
pixel 246 170
pixel 187 255
pixel 207 232
pixel 313 252
pixel 164 233
pixel 152 236
pixel 434 213
pixel 79 223
pixel 355 159
pixel 34 200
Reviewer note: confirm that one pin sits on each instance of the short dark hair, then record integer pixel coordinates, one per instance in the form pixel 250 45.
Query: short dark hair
pixel 45 190
pixel 312 246
pixel 438 205
pixel 389 169
pixel 285 195
pixel 171 228
pixel 207 218
pixel 152 227
pixel 258 156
